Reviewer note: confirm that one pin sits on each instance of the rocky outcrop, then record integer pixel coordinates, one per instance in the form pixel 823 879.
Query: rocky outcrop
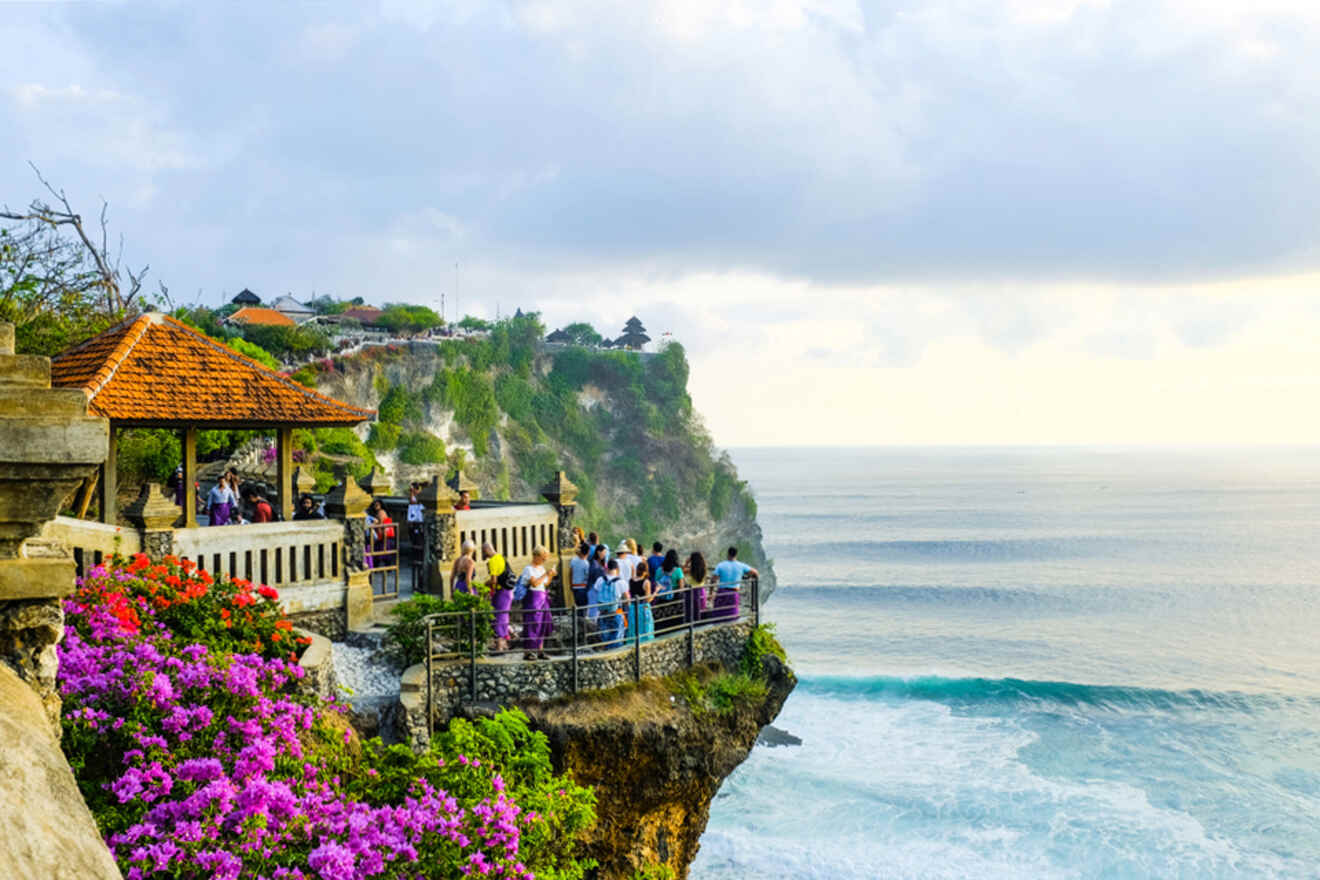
pixel 46 831
pixel 656 766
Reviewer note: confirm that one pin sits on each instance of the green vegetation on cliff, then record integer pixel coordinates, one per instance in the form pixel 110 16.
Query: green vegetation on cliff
pixel 621 424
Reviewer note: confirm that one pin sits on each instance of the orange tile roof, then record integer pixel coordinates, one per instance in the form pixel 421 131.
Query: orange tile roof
pixel 154 369
pixel 257 315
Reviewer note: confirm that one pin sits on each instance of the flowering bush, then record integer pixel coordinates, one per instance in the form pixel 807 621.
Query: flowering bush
pixel 232 614
pixel 199 762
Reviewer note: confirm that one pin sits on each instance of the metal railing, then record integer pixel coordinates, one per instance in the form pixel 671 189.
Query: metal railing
pixel 494 637
pixel 382 558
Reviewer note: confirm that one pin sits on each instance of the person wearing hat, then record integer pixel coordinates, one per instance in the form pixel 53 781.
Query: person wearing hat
pixel 627 565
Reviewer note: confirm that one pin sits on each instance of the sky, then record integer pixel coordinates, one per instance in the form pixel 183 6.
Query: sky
pixel 905 222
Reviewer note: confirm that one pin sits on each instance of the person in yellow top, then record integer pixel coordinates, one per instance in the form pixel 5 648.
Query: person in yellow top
pixel 501 593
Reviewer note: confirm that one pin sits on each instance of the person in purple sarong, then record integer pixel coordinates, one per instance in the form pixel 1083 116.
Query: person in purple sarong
pixel 219 502
pixel 501 594
pixel 538 623
pixel 727 599
pixel 695 602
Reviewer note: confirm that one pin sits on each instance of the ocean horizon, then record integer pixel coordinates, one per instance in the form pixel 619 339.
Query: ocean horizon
pixel 1045 661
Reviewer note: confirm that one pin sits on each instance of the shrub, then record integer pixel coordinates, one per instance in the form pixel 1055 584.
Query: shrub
pixel 147 454
pixel 305 375
pixel 405 640
pixel 383 437
pixel 197 763
pixel 399 406
pixel 420 448
pixel 254 351
pixel 760 643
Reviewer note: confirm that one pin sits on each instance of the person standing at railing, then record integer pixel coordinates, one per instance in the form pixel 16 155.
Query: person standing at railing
pixel 415 518
pixel 382 536
pixel 307 509
pixel 640 590
pixel 610 590
pixel 669 583
pixel 728 604
pixel 464 501
pixel 261 509
pixel 465 568
pixel 579 572
pixel 656 559
pixel 500 586
pixel 624 556
pixel 595 572
pixel 537 620
pixel 696 577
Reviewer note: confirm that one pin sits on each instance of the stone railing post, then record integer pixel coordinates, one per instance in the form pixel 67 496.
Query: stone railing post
pixel 440 533
pixel 561 493
pixel 154 513
pixel 50 446
pixel 347 503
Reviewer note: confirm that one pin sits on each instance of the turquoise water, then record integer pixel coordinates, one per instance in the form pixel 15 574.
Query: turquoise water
pixel 1036 663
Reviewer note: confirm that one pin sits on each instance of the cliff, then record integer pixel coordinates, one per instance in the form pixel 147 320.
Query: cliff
pixel 656 761
pixel 510 411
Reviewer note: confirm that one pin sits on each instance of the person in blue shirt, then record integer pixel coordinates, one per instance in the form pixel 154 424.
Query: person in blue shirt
pixel 730 573
pixel 611 591
pixel 579 569
pixel 656 559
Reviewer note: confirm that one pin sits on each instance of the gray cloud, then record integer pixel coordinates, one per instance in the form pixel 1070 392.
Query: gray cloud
pixel 299 148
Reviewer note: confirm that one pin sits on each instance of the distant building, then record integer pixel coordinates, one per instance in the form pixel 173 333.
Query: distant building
pixel 246 298
pixel 558 336
pixel 297 311
pixel 634 335
pixel 367 316
pixel 256 315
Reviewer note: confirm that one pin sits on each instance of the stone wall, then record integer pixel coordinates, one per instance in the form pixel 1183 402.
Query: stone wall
pixel 330 622
pixel 318 666
pixel 504 682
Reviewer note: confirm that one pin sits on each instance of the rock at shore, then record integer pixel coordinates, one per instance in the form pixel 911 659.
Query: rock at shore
pixel 656 766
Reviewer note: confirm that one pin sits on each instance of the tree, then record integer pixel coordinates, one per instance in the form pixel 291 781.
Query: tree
pixel 60 282
pixel 582 333
pixel 405 318
pixel 471 324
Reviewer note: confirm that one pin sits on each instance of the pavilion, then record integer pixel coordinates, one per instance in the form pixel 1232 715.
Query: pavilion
pixel 153 371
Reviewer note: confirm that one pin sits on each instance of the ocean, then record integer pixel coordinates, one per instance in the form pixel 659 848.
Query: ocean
pixel 1036 663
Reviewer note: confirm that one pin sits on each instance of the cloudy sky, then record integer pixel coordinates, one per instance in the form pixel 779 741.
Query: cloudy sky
pixel 915 221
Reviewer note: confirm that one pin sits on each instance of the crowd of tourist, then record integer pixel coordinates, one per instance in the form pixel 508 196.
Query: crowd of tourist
pixel 618 594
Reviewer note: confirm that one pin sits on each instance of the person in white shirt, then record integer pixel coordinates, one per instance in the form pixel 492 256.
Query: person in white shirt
pixel 627 565
pixel 538 623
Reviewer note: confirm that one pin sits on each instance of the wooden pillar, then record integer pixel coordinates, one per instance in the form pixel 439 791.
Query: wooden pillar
pixel 189 449
pixel 284 472
pixel 109 480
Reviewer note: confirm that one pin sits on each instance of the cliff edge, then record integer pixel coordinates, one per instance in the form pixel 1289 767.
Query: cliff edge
pixel 656 754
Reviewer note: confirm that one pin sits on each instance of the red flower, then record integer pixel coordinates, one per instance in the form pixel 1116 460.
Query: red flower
pixel 269 592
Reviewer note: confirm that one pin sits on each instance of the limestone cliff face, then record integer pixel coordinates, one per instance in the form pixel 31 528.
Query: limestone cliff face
pixel 630 457
pixel 655 766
